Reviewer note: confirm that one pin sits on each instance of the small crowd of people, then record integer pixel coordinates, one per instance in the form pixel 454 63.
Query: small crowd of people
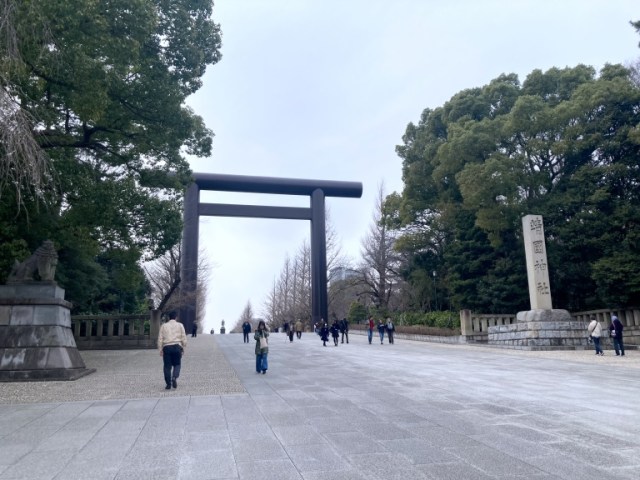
pixel 337 327
pixel 383 327
pixel 293 328
pixel 615 331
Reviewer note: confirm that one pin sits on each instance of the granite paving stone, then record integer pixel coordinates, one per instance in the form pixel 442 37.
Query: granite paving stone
pixel 353 412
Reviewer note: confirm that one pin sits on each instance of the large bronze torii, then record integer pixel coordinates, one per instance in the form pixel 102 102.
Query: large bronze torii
pixel 317 191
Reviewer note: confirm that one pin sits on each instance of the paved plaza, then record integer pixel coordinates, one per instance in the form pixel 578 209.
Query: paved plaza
pixel 412 410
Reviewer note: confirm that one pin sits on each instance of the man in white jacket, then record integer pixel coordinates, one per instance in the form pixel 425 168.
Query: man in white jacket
pixel 595 331
pixel 172 341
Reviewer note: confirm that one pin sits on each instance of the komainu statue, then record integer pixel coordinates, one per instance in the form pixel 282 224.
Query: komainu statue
pixel 42 262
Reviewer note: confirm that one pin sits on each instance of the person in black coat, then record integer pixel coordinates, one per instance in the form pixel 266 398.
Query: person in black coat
pixel 324 334
pixel 616 328
pixel 344 328
pixel 335 332
pixel 246 330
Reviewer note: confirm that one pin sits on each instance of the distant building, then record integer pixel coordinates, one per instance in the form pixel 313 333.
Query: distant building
pixel 342 274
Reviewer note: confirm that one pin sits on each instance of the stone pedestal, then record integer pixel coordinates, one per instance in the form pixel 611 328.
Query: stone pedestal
pixel 550 329
pixel 36 341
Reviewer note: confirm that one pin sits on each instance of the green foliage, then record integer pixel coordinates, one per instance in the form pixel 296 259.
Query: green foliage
pixel 444 319
pixel 357 313
pixel 105 83
pixel 563 145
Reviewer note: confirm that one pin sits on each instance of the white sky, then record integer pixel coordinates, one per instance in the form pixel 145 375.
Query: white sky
pixel 324 89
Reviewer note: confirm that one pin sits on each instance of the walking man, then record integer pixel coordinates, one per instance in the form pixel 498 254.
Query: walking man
pixel 595 331
pixel 172 340
pixel 246 330
pixel 344 329
pixel 299 329
pixel 371 326
pixel 390 329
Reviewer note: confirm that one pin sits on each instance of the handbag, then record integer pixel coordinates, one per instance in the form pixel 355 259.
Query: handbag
pixel 263 343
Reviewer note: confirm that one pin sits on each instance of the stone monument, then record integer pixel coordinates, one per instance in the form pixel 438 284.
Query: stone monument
pixel 542 327
pixel 36 341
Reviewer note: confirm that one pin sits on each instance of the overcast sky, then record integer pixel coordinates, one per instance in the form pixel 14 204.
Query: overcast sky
pixel 324 89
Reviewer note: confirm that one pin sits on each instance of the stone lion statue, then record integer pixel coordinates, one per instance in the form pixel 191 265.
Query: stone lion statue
pixel 42 262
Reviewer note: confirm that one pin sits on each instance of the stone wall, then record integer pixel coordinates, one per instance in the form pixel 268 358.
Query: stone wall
pixel 116 332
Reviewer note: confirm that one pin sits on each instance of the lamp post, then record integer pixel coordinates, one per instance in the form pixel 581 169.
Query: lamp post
pixel 435 290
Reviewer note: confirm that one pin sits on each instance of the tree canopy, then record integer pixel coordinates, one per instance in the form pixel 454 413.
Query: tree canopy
pixel 103 84
pixel 563 144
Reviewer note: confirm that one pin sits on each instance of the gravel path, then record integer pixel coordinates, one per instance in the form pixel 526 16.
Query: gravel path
pixel 130 374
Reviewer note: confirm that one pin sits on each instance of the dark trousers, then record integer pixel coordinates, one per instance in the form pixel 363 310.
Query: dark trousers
pixel 596 345
pixel 245 337
pixel 390 335
pixel 345 334
pixel 171 357
pixel 618 345
pixel 299 334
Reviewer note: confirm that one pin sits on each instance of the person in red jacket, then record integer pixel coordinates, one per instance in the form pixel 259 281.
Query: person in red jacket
pixel 372 325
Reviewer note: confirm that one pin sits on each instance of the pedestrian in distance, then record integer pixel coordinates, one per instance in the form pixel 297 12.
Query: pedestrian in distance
pixel 262 347
pixel 172 340
pixel 344 329
pixel 298 328
pixel 335 332
pixel 381 329
pixel 370 331
pixel 615 329
pixel 390 329
pixel 194 330
pixel 291 328
pixel 324 334
pixel 595 332
pixel 246 330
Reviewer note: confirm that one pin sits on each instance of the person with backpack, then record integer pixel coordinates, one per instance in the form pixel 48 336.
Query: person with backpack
pixel 615 329
pixel 390 329
pixel 595 332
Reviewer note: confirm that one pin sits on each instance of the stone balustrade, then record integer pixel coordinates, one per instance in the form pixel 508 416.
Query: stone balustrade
pixel 475 327
pixel 116 332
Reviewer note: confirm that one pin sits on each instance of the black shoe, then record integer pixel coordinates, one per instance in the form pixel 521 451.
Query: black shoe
pixel 174 382
pixel 168 387
pixel 264 372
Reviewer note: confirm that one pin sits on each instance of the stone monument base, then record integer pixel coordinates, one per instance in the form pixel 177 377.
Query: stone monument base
pixel 36 341
pixel 541 330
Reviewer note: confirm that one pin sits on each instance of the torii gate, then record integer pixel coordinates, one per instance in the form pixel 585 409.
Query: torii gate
pixel 317 190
